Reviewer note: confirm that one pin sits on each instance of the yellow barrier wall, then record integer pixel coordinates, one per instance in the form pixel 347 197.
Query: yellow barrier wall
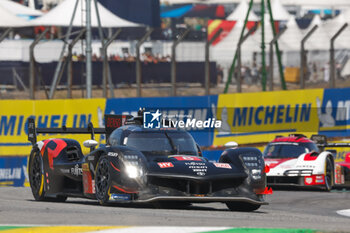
pixel 47 113
pixel 259 117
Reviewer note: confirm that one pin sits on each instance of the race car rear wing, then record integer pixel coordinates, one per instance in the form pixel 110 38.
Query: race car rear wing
pixel 321 141
pixel 112 122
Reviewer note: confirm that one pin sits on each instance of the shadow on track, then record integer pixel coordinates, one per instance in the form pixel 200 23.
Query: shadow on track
pixel 155 205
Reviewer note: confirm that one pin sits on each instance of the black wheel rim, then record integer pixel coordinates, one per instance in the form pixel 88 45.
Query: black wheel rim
pixel 102 179
pixel 36 173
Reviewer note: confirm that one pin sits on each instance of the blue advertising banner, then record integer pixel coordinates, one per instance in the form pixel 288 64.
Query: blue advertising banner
pixel 13 171
pixel 212 155
pixel 334 113
pixel 199 107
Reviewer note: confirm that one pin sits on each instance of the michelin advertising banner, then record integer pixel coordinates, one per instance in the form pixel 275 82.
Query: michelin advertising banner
pixel 245 118
pixel 47 113
pixel 259 117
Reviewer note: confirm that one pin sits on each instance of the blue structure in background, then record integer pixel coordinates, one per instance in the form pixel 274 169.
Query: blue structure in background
pixel 146 12
pixel 197 106
pixel 13 171
pixel 175 13
pixel 334 115
pixel 212 155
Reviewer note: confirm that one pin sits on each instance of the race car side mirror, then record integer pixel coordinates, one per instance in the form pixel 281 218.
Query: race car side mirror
pixel 90 143
pixel 200 154
pixel 231 144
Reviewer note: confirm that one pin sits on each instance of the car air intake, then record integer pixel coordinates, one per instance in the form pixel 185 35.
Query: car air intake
pixel 72 153
pixel 194 186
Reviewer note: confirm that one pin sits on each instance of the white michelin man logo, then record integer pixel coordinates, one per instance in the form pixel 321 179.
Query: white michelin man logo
pixel 225 127
pixel 326 119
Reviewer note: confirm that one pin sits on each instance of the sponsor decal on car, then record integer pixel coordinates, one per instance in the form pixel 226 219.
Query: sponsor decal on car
pixel 88 184
pixel 314 180
pixel 319 179
pixel 85 167
pixel 308 180
pixel 76 171
pixel 113 154
pixel 65 170
pixel 223 165
pixel 187 158
pixel 165 165
pixel 199 168
pixel 123 197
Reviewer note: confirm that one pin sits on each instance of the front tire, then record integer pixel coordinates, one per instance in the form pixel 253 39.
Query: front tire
pixel 242 206
pixel 102 180
pixel 329 175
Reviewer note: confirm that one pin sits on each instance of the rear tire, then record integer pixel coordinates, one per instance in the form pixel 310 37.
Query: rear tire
pixel 102 180
pixel 242 206
pixel 36 176
pixel 329 175
pixel 37 179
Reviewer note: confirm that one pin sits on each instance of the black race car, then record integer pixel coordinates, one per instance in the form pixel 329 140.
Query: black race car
pixel 142 165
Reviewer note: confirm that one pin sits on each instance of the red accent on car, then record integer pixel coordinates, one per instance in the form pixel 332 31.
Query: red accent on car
pixel 87 180
pixel 60 145
pixel 311 156
pixel 339 173
pixel 122 190
pixel 44 146
pixel 314 180
pixel 347 158
pixel 115 167
pixel 344 164
pixel 223 165
pixel 267 169
pixel 187 158
pixel 165 165
pixel 292 139
pixel 267 191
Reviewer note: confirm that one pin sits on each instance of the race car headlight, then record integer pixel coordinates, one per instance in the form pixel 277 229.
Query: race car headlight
pixel 251 162
pixel 133 171
pixel 256 174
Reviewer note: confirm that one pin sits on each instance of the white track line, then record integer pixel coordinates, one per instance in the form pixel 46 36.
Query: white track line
pixel 163 229
pixel 344 212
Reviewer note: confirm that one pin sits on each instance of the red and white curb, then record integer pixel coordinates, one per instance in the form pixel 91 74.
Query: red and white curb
pixel 344 212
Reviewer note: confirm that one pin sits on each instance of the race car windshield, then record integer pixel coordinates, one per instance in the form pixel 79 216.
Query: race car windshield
pixel 164 143
pixel 288 150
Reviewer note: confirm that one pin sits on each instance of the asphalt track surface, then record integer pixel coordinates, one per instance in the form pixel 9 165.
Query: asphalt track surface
pixel 287 209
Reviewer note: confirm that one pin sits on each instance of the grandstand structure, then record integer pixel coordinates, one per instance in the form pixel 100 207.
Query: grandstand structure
pixel 320 56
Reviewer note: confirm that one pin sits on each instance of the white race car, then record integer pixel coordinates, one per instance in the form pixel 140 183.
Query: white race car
pixel 299 161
